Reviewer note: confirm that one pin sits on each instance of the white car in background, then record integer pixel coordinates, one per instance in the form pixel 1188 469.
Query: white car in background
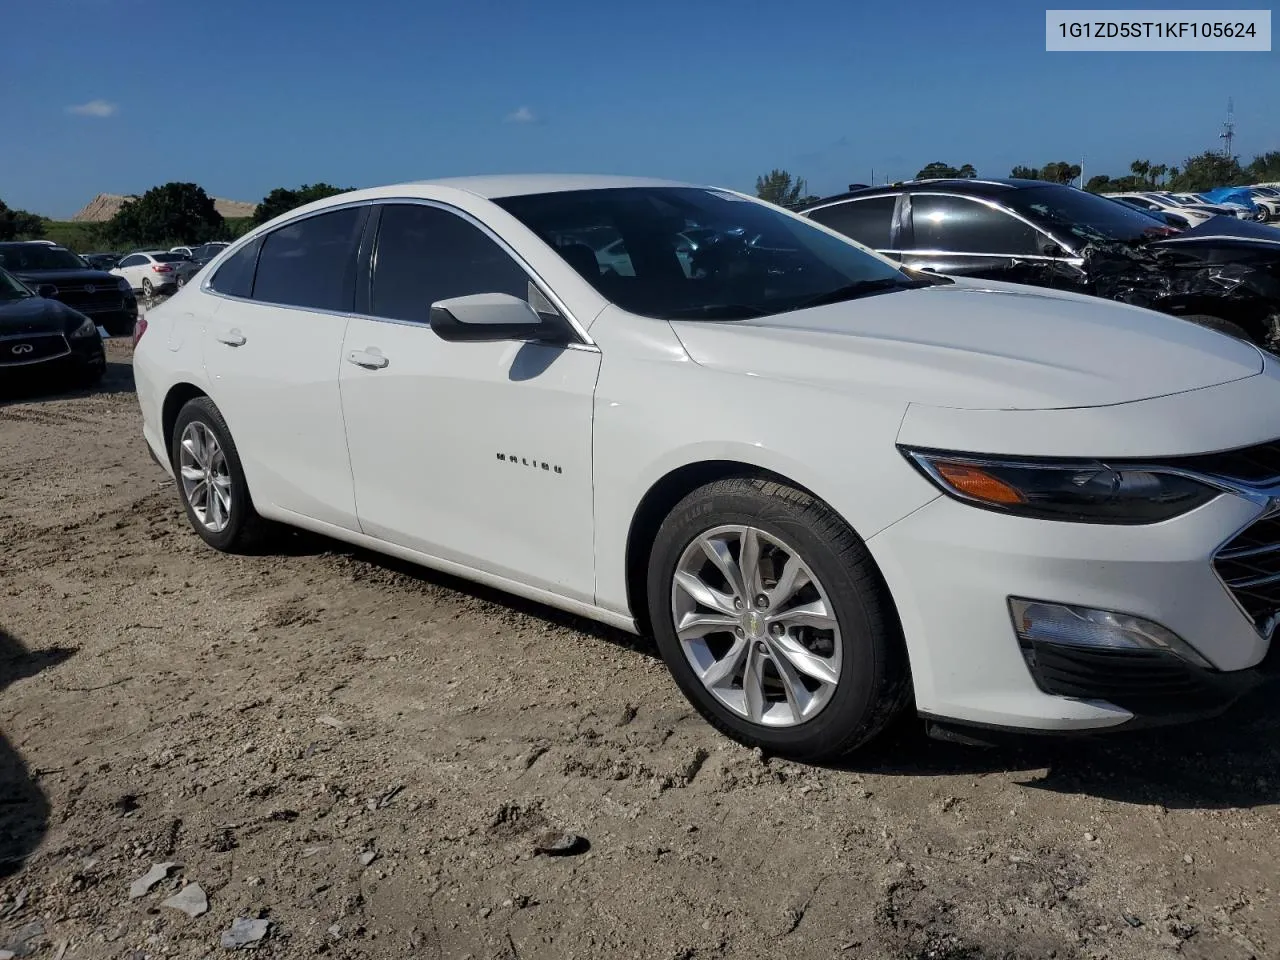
pixel 1224 207
pixel 151 271
pixel 1197 213
pixel 828 487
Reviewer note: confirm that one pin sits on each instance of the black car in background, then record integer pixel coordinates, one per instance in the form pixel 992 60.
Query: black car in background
pixel 1223 273
pixel 55 272
pixel 44 341
pixel 101 261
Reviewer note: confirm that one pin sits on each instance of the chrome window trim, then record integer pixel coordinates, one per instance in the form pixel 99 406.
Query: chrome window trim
pixel 1071 250
pixel 836 203
pixel 1074 261
pixel 534 277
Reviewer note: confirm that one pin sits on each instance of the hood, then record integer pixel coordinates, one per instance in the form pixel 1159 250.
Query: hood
pixel 82 275
pixel 976 345
pixel 34 315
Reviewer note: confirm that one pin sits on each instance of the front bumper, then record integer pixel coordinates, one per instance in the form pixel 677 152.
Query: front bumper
pixel 84 358
pixel 952 568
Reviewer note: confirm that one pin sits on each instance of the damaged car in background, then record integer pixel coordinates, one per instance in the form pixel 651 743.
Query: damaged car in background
pixel 1223 273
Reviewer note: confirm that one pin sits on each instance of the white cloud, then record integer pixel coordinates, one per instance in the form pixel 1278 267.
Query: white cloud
pixel 522 115
pixel 95 108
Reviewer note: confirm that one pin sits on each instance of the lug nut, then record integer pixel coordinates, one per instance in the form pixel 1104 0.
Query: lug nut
pixel 739 631
pixel 737 603
pixel 777 629
pixel 762 601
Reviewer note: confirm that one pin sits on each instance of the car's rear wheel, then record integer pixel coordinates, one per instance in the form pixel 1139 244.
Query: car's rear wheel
pixel 775 621
pixel 211 479
pixel 148 290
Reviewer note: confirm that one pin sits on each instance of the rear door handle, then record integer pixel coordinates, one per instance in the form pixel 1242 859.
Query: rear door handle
pixel 369 359
pixel 232 338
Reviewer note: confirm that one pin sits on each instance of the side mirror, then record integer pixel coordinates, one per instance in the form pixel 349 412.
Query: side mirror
pixel 1051 248
pixel 486 317
pixel 47 290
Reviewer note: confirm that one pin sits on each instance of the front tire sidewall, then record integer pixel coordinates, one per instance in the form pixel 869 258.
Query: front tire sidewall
pixel 860 706
pixel 243 517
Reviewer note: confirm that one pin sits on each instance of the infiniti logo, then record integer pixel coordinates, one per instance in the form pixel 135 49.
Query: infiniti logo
pixel 21 348
pixel 90 288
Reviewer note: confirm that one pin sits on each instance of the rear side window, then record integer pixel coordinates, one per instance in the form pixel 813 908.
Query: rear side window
pixel 961 225
pixel 311 262
pixel 869 221
pixel 235 277
pixel 425 254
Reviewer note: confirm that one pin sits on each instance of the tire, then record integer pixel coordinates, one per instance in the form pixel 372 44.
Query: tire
pixel 243 530
pixel 872 679
pixel 148 290
pixel 1217 323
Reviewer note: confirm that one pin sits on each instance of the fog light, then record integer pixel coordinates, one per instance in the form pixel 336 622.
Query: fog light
pixel 1037 622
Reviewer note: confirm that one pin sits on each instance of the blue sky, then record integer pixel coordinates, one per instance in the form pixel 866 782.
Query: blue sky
pixel 245 96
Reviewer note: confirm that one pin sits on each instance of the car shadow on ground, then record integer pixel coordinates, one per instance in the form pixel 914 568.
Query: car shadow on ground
pixel 118 378
pixel 24 808
pixel 1230 761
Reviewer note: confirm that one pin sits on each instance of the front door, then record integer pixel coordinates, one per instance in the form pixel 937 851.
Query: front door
pixel 272 348
pixel 475 453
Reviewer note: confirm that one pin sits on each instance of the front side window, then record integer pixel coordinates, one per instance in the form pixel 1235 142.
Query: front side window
pixel 11 288
pixel 425 254
pixel 961 225
pixel 868 221
pixel 311 262
pixel 1068 212
pixel 235 277
pixel 694 253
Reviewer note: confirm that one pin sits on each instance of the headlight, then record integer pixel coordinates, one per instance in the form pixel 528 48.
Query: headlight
pixel 125 285
pixel 1076 491
pixel 87 328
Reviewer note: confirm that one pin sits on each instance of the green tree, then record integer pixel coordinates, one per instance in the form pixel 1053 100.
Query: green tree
pixel 1059 171
pixel 778 186
pixel 1142 170
pixel 944 171
pixel 283 199
pixel 168 214
pixel 1206 171
pixel 1265 168
pixel 1026 173
pixel 19 224
pixel 1100 183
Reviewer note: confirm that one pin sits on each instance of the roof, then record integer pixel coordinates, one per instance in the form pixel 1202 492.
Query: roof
pixel 969 186
pixel 512 185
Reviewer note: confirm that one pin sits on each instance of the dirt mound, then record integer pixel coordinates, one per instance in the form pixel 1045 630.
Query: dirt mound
pixel 105 206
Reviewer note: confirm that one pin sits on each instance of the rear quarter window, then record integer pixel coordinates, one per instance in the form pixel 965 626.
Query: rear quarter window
pixel 235 277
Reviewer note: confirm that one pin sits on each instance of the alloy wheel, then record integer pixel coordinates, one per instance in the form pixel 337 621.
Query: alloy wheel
pixel 756 625
pixel 206 477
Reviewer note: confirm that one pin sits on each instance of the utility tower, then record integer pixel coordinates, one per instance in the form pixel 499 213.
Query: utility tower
pixel 1229 128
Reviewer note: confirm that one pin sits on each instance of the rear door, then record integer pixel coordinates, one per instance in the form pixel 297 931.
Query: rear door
pixel 475 453
pixel 872 221
pixel 272 350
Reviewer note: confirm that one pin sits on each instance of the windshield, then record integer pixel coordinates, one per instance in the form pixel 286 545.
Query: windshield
pixel 1085 216
pixel 11 288
pixel 690 253
pixel 38 256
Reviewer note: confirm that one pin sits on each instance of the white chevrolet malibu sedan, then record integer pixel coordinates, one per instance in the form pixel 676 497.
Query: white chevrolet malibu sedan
pixel 832 490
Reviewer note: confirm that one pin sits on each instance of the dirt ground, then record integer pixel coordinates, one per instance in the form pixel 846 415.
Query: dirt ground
pixel 367 755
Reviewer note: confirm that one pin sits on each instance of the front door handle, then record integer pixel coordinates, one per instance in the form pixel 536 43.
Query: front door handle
pixel 369 359
pixel 232 338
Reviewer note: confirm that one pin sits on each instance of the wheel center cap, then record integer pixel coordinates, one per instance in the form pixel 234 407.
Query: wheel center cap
pixel 754 624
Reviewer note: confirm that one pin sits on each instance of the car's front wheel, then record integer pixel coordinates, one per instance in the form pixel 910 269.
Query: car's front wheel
pixel 211 479
pixel 775 621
